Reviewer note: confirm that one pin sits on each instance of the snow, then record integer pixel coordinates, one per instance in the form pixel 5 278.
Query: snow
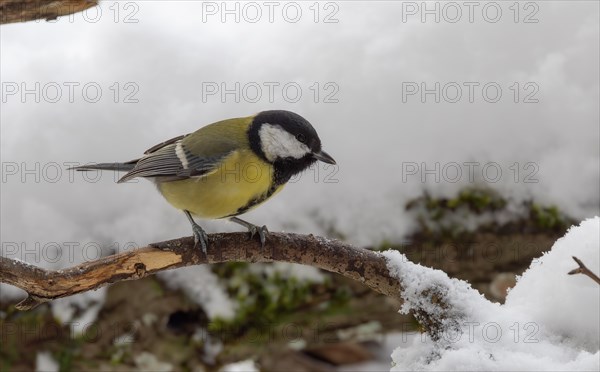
pixel 285 270
pixel 549 321
pixel 146 361
pixel 9 293
pixel 79 311
pixel 243 366
pixel 573 301
pixel 124 339
pixel 387 344
pixel 362 332
pixel 203 287
pixel 44 362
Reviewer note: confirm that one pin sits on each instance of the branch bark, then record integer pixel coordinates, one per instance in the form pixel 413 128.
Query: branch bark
pixel 13 11
pixel 43 285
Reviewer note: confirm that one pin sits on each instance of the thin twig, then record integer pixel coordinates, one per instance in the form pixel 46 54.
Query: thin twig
pixel 582 269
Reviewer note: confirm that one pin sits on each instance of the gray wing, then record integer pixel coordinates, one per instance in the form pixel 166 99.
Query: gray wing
pixel 172 161
pixel 163 144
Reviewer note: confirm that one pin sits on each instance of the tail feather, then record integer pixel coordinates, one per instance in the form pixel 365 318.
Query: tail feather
pixel 118 167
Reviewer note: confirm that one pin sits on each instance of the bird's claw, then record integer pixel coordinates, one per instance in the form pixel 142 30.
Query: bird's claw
pixel 262 232
pixel 201 237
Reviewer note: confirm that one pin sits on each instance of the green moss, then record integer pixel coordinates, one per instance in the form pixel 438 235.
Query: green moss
pixel 20 332
pixel 474 199
pixel 9 352
pixel 5 365
pixel 445 219
pixel 549 217
pixel 65 359
pixel 261 299
pixel 118 355
pixel 157 287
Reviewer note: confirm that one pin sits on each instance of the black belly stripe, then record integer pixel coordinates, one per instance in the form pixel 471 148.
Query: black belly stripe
pixel 256 201
pixel 283 171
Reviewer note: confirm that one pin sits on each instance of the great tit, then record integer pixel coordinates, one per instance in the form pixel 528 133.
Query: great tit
pixel 227 168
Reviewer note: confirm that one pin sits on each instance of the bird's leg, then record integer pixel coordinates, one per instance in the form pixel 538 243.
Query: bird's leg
pixel 253 229
pixel 200 235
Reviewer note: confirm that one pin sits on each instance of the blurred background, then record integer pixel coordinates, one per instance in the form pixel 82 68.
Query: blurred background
pixel 466 136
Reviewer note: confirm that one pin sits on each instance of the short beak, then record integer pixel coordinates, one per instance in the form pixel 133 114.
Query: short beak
pixel 324 157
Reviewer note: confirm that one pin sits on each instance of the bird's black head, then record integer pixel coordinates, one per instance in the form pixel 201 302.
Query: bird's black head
pixel 286 140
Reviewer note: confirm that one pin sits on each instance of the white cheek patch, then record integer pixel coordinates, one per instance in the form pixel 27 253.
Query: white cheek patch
pixel 278 143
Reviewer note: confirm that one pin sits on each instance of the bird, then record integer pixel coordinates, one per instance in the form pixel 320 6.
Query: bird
pixel 227 168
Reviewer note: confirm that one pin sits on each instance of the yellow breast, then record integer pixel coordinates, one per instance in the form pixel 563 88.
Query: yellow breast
pixel 240 183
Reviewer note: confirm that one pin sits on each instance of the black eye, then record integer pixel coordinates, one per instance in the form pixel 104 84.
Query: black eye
pixel 301 137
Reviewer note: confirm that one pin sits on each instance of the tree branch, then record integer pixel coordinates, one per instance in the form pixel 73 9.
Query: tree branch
pixel 12 11
pixel 582 269
pixel 42 285
pixel 367 267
